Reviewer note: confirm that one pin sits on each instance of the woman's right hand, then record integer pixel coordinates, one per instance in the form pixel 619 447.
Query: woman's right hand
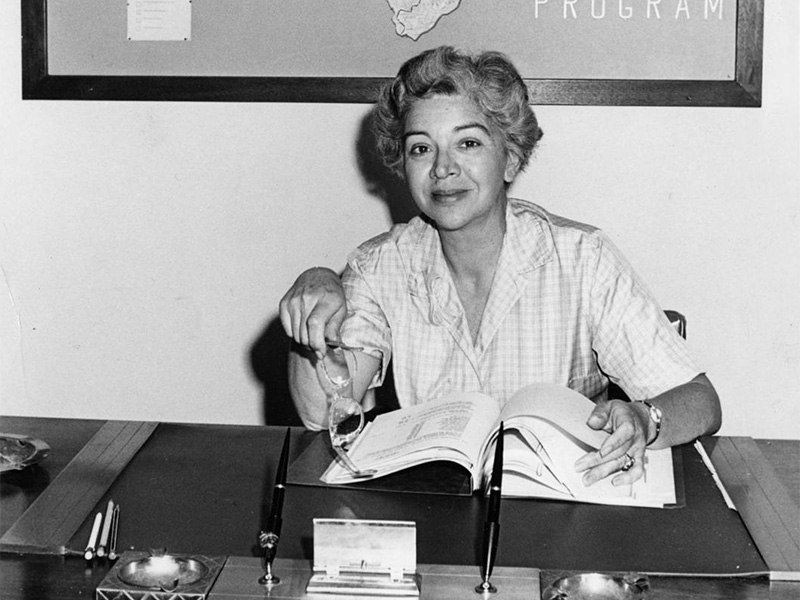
pixel 314 308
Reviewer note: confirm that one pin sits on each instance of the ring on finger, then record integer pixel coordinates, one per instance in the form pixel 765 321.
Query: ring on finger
pixel 629 462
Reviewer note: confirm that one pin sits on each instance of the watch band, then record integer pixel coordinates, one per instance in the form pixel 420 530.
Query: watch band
pixel 656 416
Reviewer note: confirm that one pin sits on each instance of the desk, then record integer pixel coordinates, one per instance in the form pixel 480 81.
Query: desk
pixel 193 489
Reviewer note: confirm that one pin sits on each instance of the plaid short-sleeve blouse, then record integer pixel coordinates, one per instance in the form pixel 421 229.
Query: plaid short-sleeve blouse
pixel 565 307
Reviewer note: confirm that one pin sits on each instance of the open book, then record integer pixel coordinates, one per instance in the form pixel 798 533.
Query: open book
pixel 545 433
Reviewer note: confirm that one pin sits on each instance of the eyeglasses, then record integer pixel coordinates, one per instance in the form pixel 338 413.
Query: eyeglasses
pixel 345 415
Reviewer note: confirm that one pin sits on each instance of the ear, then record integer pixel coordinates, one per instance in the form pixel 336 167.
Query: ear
pixel 512 167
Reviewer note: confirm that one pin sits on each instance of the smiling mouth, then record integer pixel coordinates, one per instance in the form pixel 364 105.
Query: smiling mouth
pixel 447 195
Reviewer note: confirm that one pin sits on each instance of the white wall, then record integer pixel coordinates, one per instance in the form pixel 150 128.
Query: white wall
pixel 144 246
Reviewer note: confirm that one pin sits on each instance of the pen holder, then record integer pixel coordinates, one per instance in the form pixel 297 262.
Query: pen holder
pixel 157 575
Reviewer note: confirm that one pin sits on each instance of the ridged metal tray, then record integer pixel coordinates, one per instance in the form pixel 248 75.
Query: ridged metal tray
pixel 598 586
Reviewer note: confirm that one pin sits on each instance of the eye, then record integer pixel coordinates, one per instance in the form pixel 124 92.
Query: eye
pixel 471 144
pixel 418 150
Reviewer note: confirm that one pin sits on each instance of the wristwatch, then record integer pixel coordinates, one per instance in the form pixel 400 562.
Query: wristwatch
pixel 656 416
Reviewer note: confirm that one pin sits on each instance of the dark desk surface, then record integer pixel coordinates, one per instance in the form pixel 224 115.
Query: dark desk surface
pixel 194 489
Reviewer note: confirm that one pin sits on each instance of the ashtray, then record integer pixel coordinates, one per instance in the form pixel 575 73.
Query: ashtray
pixel 157 574
pixel 20 451
pixel 163 572
pixel 598 586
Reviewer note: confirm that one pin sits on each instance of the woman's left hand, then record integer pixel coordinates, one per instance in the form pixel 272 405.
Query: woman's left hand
pixel 628 425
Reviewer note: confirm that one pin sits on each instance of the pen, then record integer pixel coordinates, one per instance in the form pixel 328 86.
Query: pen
pixel 89 552
pixel 491 530
pixel 268 539
pixel 101 547
pixel 112 550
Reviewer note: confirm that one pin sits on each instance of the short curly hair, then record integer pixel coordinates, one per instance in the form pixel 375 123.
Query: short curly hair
pixel 489 79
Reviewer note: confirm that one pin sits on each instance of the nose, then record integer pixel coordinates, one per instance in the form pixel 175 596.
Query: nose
pixel 444 165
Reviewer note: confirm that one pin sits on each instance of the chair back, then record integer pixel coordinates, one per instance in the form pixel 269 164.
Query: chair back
pixel 678 321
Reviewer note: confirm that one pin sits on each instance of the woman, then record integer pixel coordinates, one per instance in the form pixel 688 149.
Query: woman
pixel 487 293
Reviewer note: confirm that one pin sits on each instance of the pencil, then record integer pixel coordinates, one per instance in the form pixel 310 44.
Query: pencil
pixel 89 552
pixel 101 547
pixel 112 550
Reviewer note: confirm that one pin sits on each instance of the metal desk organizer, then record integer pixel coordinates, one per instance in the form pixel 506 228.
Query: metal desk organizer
pixel 156 575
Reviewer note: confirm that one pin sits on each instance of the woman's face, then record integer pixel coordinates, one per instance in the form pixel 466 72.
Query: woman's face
pixel 455 163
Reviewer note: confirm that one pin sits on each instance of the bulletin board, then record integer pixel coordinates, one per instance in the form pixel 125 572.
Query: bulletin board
pixel 584 52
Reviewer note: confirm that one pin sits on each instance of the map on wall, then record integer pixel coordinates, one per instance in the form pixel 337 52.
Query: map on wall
pixel 412 18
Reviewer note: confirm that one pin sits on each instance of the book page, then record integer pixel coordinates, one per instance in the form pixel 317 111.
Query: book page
pixel 656 488
pixel 554 403
pixel 560 405
pixel 522 459
pixel 552 419
pixel 451 428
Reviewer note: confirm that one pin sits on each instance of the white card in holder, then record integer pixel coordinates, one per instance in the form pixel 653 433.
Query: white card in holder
pixel 365 557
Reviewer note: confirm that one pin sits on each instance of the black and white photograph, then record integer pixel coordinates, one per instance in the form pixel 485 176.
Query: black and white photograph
pixel 399 298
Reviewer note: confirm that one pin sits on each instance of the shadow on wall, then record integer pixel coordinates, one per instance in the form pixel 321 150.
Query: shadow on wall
pixel 269 359
pixel 269 353
pixel 380 182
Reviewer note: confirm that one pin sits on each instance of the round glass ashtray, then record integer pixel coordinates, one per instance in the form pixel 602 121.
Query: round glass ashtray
pixel 164 572
pixel 598 586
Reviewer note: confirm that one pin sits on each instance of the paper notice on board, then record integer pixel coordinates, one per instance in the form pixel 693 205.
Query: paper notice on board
pixel 159 20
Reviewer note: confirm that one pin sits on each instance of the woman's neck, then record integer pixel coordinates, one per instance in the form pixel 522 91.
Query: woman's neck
pixel 472 258
pixel 472 253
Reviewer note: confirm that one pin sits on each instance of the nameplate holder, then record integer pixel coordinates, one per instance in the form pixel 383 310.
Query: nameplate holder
pixel 365 557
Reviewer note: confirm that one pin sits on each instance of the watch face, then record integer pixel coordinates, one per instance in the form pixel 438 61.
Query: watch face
pixel 655 414
pixel 654 411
